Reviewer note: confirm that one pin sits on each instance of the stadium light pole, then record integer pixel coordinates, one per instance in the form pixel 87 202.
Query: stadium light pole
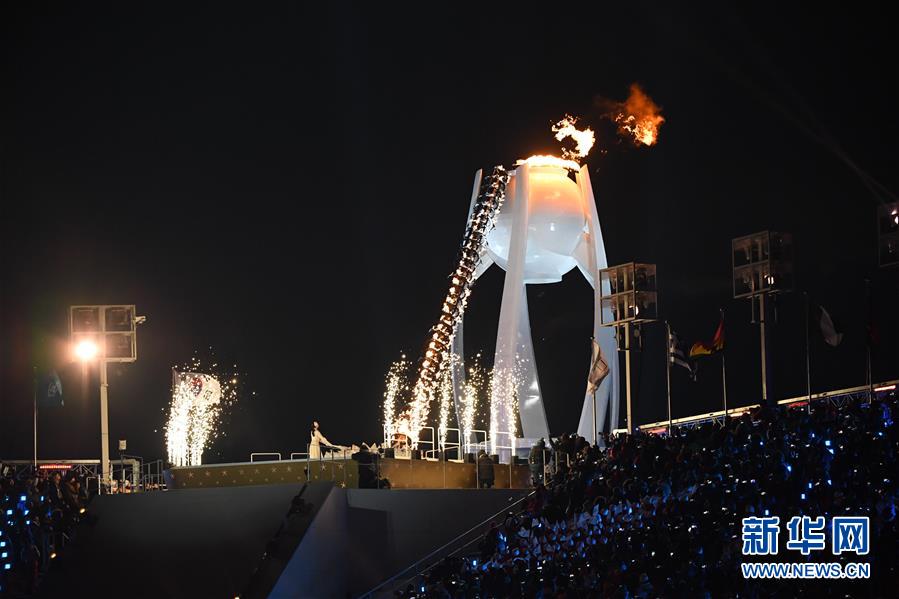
pixel 628 298
pixel 86 351
pixel 105 334
pixel 762 265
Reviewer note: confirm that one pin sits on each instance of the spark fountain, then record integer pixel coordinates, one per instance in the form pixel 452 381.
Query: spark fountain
pixel 199 403
pixel 195 404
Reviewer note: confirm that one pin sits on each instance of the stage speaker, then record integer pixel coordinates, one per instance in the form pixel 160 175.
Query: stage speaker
pixel 416 454
pixel 495 458
pixel 389 453
pixel 471 458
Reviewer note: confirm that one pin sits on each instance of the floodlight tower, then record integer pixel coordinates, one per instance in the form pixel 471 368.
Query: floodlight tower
pixel 628 299
pixel 888 234
pixel 106 334
pixel 762 266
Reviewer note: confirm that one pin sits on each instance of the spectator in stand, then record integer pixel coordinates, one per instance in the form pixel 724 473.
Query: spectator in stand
pixel 537 461
pixel 40 515
pixel 654 516
pixel 70 492
pixel 54 490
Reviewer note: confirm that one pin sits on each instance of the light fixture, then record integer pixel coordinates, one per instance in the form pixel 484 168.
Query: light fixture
pixel 86 350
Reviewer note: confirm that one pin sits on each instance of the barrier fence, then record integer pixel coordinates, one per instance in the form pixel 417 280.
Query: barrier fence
pixel 127 475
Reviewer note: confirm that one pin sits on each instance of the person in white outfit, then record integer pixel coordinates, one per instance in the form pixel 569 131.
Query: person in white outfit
pixel 317 439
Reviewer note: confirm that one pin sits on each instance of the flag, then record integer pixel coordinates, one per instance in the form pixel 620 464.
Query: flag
pixel 713 347
pixel 832 336
pixel 676 354
pixel 49 390
pixel 599 368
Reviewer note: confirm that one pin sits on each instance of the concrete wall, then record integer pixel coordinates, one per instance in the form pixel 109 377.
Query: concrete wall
pixel 379 533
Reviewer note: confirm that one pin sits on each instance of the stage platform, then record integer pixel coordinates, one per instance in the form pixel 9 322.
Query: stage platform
pixel 402 474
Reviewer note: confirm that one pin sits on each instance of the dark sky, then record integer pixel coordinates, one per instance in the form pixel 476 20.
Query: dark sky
pixel 290 188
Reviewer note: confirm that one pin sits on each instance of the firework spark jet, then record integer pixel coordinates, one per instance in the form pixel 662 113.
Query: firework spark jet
pixel 198 403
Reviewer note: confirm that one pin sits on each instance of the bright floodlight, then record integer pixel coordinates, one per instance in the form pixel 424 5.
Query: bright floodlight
pixel 86 350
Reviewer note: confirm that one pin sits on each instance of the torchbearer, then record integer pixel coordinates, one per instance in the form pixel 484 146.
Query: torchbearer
pixel 316 440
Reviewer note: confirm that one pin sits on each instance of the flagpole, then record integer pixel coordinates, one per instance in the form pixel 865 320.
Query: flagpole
pixel 808 356
pixel 723 374
pixel 763 343
pixel 627 375
pixel 868 340
pixel 870 378
pixel 34 406
pixel 724 385
pixel 595 357
pixel 668 374
pixel 592 364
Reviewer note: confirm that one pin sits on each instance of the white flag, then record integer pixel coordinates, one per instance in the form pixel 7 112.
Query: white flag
pixel 599 369
pixel 828 330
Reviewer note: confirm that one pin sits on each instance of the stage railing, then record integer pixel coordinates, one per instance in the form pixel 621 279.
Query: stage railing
pixel 87 483
pixel 152 478
pixel 264 453
pixel 477 445
pixel 450 446
pixel 88 469
pixel 462 446
pixel 432 442
pixel 126 466
pixel 499 448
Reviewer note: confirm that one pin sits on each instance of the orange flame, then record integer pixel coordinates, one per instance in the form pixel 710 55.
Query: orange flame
pixel 639 117
pixel 584 139
pixel 546 160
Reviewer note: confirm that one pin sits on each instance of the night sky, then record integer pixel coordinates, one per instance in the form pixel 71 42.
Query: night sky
pixel 289 187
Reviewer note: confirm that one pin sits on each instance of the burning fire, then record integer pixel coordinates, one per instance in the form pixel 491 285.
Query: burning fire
pixel 547 160
pixel 584 139
pixel 639 117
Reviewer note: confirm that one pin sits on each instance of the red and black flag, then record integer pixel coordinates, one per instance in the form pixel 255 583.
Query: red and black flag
pixel 701 349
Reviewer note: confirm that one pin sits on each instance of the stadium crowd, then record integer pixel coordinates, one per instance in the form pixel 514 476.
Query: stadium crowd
pixel 653 516
pixel 39 516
